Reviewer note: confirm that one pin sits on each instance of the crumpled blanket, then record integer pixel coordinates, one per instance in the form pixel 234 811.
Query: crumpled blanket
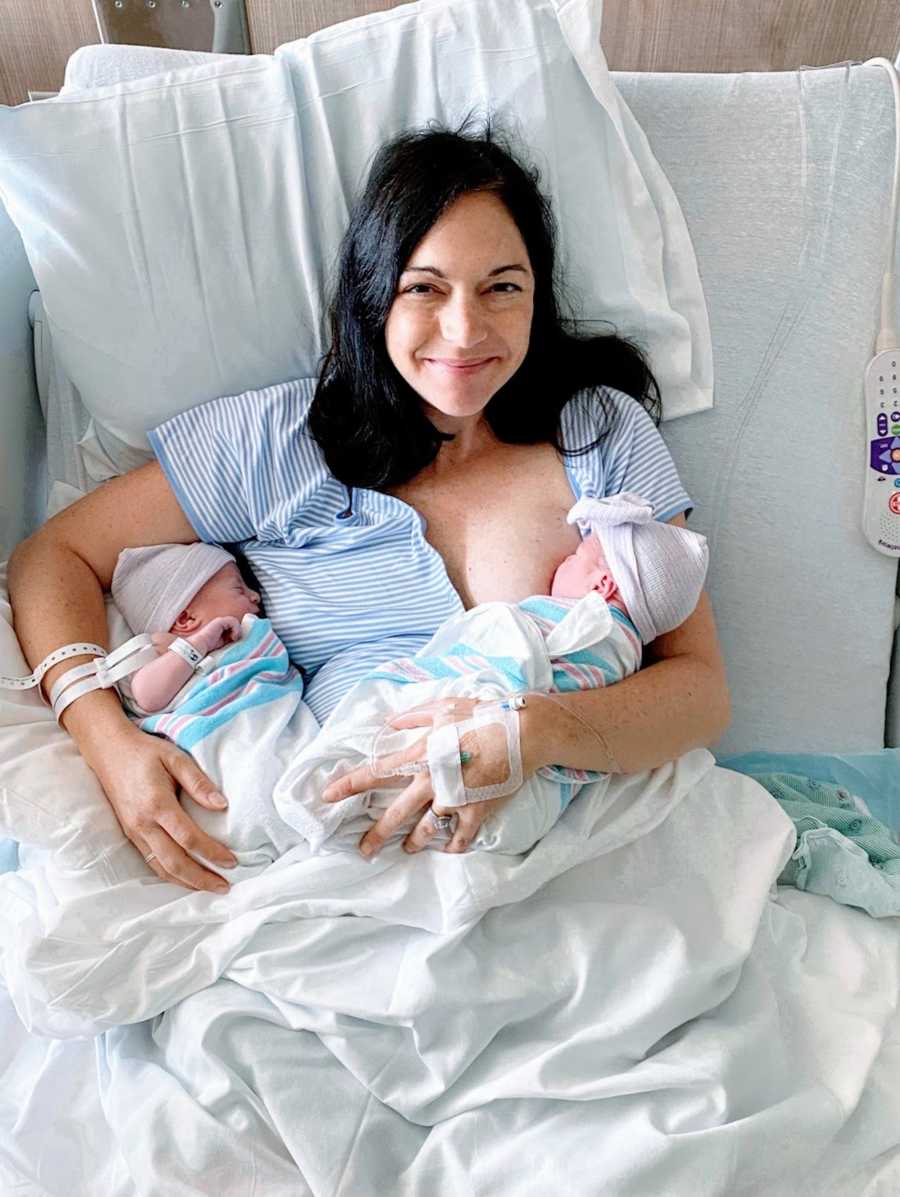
pixel 493 650
pixel 842 851
pixel 632 1007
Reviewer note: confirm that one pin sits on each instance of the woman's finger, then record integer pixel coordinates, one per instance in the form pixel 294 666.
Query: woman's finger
pixel 469 819
pixel 171 859
pixel 357 781
pixel 436 713
pixel 184 831
pixel 415 718
pixel 401 810
pixel 153 863
pixel 194 781
pixel 424 831
pixel 465 828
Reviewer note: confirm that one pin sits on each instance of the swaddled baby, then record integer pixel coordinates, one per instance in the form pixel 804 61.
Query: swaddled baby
pixel 632 579
pixel 223 689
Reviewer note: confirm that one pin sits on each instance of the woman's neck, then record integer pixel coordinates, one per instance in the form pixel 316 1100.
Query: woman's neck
pixel 470 438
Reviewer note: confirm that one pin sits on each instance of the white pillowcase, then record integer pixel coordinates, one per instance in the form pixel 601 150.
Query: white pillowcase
pixel 183 228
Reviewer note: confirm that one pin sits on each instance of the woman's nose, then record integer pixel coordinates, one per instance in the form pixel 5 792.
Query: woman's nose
pixel 463 323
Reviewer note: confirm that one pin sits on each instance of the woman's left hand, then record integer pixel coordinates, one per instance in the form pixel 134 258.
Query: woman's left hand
pixel 482 769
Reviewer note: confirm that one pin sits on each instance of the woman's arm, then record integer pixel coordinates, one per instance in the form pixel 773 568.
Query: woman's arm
pixel 678 700
pixel 56 583
pixel 57 578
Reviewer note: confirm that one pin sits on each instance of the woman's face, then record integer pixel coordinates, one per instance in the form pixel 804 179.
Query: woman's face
pixel 459 326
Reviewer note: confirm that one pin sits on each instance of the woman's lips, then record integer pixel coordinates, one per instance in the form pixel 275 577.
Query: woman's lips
pixel 458 367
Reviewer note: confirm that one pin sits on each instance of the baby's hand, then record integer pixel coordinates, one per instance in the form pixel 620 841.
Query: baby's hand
pixel 224 629
pixel 161 641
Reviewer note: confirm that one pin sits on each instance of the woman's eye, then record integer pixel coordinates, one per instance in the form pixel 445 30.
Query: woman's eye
pixel 419 289
pixel 506 288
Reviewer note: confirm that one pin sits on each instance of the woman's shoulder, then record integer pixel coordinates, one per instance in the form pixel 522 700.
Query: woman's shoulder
pixel 598 413
pixel 241 464
pixel 282 403
pixel 613 444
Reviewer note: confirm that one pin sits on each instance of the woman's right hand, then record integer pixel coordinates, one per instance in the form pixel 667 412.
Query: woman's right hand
pixel 140 774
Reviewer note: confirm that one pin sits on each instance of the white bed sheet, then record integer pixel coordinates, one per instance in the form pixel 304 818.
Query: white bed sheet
pixel 302 1051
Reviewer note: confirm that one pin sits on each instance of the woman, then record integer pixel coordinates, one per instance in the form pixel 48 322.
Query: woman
pixel 431 468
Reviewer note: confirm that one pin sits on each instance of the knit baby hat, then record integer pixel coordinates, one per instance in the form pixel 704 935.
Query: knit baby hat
pixel 151 586
pixel 659 568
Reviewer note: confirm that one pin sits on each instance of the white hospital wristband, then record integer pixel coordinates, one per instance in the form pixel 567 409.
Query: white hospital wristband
pixel 187 652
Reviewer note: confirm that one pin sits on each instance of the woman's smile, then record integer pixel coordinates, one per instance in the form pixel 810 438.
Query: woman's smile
pixel 459 366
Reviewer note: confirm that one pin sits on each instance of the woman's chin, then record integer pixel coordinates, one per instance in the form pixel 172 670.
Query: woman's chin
pixel 459 398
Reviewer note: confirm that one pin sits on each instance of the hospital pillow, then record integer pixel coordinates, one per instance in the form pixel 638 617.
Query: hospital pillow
pixel 183 228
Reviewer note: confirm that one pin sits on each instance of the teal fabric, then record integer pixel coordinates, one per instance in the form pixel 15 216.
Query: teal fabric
pixel 9 856
pixel 842 850
pixel 872 776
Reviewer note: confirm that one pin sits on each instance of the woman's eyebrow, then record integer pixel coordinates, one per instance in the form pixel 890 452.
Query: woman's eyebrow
pixel 439 274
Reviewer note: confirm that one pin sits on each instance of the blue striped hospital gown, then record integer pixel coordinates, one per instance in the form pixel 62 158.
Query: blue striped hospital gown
pixel 347 590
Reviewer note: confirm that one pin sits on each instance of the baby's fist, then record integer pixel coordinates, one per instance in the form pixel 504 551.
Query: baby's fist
pixel 224 629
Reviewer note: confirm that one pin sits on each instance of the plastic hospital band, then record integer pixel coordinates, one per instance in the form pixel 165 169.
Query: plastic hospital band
pixel 58 654
pixel 99 674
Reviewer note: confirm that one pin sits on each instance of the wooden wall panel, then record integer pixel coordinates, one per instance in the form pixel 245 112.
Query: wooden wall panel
pixel 737 35
pixel 37 36
pixel 273 22
pixel 36 39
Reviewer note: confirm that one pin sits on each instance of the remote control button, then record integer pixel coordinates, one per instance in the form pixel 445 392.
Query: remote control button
pixel 882 424
pixel 895 415
pixel 894 503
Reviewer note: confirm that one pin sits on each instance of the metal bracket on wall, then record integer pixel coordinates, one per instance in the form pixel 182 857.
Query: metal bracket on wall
pixel 218 26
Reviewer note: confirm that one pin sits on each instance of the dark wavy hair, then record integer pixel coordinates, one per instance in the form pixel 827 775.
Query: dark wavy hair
pixel 365 417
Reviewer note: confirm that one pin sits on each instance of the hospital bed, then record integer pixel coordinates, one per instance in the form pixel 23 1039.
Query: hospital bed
pixel 784 181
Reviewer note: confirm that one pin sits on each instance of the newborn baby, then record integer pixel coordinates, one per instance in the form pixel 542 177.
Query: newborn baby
pixel 631 579
pixel 223 689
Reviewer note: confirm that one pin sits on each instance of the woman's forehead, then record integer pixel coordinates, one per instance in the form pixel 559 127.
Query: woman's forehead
pixel 477 230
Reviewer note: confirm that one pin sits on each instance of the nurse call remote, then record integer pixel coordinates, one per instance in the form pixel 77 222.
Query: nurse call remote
pixel 881 506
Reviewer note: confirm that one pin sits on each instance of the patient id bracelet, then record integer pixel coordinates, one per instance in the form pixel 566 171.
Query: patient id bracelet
pixel 103 673
pixel 187 652
pixel 81 679
pixel 129 657
pixel 99 674
pixel 58 654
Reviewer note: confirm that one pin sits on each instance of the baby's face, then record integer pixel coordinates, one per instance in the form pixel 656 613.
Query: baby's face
pixel 225 593
pixel 585 570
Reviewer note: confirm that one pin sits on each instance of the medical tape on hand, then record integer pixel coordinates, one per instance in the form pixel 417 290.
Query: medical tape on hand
pixel 445 764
